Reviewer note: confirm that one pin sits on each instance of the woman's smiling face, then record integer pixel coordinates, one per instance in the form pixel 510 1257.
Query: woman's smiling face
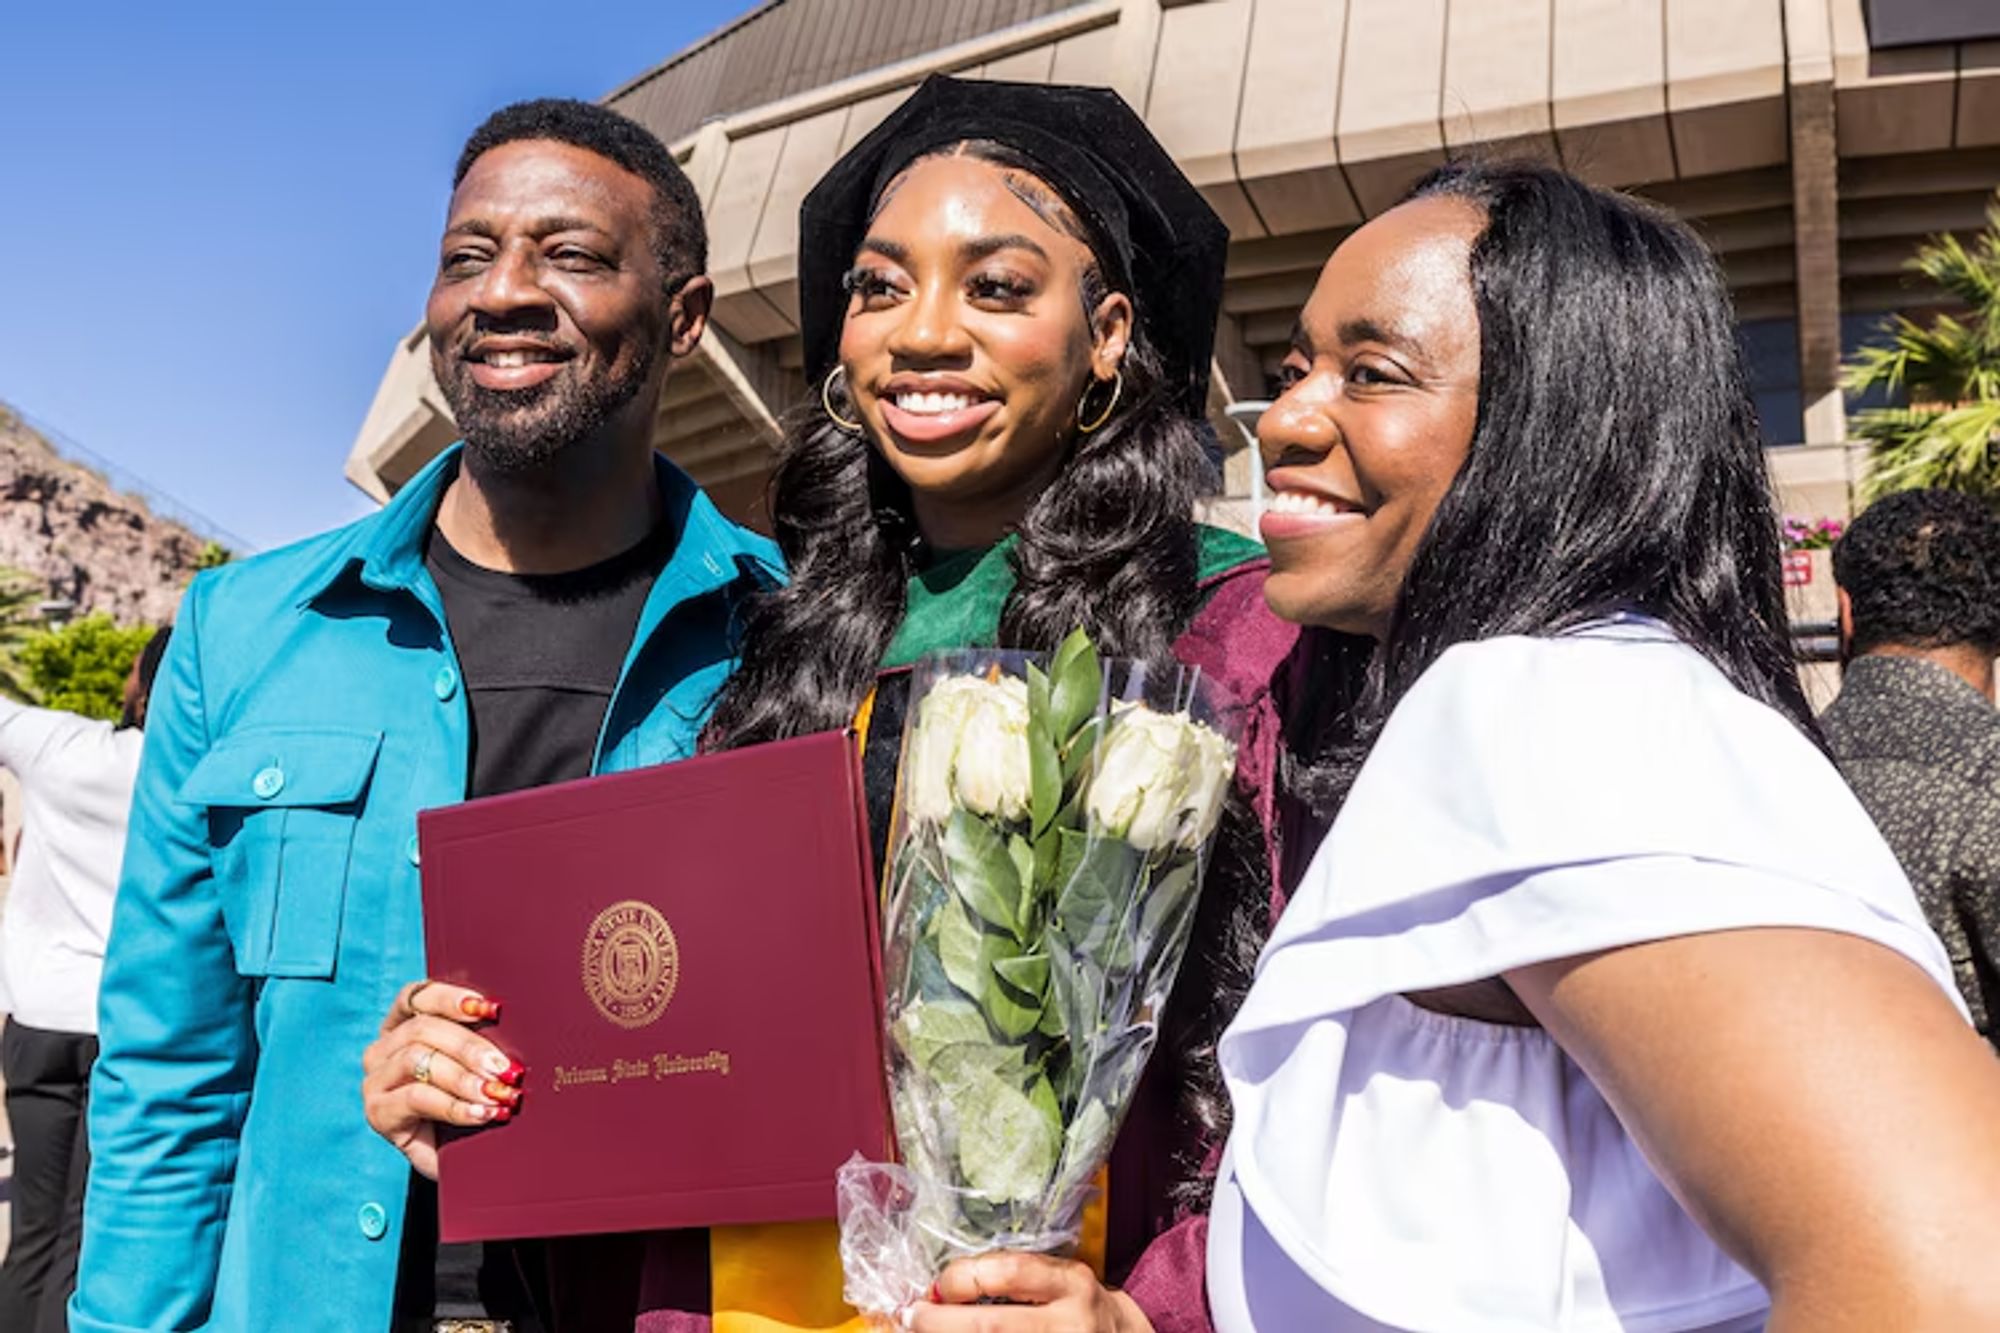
pixel 1381 397
pixel 967 344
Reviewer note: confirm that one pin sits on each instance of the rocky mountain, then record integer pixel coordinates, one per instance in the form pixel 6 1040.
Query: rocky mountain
pixel 96 546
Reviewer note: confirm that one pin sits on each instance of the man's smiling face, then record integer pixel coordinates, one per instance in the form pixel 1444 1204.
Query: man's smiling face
pixel 549 313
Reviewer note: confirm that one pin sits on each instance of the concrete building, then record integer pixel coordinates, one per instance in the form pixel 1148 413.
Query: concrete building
pixel 1814 142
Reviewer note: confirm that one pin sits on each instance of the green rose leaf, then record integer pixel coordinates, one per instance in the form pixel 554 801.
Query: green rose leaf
pixel 1048 854
pixel 1074 645
pixel 1076 679
pixel 1045 776
pixel 1170 894
pixel 1007 1142
pixel 1090 1133
pixel 1076 987
pixel 967 950
pixel 983 1218
pixel 1022 853
pixel 1028 974
pixel 1092 877
pixel 1043 1097
pixel 928 1027
pixel 982 873
pixel 1052 1024
pixel 1082 748
pixel 1169 920
pixel 908 1105
pixel 956 1067
pixel 1038 693
pixel 1016 1014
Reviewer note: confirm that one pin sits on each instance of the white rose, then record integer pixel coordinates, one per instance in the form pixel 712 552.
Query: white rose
pixel 933 743
pixel 970 749
pixel 1160 779
pixel 1133 792
pixel 1205 785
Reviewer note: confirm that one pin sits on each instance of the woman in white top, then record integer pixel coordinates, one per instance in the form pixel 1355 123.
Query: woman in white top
pixel 1603 1006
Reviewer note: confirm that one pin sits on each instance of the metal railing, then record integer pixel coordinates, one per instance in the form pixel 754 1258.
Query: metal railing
pixel 127 482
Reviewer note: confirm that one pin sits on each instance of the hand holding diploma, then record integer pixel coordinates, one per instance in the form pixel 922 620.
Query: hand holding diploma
pixel 430 1066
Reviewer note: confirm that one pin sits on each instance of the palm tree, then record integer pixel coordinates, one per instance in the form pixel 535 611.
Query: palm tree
pixel 21 595
pixel 1948 434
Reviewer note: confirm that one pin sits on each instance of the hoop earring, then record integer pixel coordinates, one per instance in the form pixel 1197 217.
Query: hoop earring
pixel 826 400
pixel 1117 387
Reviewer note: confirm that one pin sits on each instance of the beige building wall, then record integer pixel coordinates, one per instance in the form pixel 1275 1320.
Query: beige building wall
pixel 1812 164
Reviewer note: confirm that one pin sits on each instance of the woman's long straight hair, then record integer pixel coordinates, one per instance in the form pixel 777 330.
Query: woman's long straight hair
pixel 1615 463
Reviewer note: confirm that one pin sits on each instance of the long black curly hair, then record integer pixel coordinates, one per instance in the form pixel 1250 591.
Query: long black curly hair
pixel 1110 544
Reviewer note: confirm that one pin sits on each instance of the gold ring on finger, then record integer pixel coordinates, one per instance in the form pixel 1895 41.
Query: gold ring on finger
pixel 420 1067
pixel 406 999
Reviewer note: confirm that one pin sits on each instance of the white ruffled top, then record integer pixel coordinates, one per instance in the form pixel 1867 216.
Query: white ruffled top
pixel 1530 799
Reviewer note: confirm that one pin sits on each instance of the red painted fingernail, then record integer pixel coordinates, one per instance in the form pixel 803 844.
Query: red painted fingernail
pixel 935 1295
pixel 514 1072
pixel 503 1115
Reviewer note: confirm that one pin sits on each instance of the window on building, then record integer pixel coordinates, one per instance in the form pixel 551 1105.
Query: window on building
pixel 1770 349
pixel 1856 332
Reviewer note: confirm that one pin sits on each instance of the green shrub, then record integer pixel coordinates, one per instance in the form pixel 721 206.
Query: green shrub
pixel 81 667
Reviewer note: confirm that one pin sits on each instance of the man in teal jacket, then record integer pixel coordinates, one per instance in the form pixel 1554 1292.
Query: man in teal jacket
pixel 552 599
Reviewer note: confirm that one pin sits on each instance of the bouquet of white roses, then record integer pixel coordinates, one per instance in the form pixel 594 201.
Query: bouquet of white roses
pixel 1052 831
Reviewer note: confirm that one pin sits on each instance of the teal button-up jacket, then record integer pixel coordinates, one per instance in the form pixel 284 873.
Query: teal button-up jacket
pixel 309 706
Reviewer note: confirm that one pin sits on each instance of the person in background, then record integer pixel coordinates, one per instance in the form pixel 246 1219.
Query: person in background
pixel 1914 728
pixel 76 777
pixel 550 600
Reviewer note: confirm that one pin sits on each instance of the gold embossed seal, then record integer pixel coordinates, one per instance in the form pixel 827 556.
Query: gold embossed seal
pixel 631 963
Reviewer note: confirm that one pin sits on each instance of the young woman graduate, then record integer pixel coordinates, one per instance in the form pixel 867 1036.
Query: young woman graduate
pixel 1008 297
pixel 1603 1006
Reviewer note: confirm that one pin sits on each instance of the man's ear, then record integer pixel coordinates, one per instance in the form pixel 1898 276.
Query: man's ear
pixel 1110 334
pixel 687 316
pixel 1846 624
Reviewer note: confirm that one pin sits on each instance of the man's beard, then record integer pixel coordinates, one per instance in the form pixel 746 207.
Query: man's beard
pixel 521 430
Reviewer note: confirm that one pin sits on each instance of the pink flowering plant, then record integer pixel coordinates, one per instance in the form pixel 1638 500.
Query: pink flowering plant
pixel 1810 535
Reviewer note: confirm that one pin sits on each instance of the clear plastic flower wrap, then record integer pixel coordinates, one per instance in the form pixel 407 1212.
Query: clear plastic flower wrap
pixel 1054 819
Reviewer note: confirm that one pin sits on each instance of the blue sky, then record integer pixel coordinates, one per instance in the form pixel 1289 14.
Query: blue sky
pixel 216 219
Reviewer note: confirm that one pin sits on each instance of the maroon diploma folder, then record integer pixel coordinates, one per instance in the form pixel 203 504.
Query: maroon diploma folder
pixel 691 973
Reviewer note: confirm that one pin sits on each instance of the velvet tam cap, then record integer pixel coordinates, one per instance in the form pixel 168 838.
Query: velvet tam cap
pixel 1155 237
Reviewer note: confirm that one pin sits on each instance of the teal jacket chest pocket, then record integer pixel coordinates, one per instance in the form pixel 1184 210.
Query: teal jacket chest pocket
pixel 283 804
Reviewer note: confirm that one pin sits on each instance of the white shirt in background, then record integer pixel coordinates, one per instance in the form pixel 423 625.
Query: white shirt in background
pixel 76 777
pixel 1391 1168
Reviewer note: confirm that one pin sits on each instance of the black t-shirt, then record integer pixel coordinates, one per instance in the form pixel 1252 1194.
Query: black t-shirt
pixel 540 655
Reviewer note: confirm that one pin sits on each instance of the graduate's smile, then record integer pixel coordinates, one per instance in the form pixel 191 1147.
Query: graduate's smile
pixel 967 343
pixel 935 410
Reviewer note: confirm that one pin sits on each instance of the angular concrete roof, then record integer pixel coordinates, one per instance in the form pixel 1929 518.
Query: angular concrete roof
pixel 1300 118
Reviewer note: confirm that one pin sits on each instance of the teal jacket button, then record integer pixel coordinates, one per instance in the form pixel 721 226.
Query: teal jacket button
pixel 268 782
pixel 374 1221
pixel 445 683
pixel 414 851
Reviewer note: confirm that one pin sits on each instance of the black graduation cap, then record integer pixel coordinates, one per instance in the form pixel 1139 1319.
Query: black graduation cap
pixel 1156 237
